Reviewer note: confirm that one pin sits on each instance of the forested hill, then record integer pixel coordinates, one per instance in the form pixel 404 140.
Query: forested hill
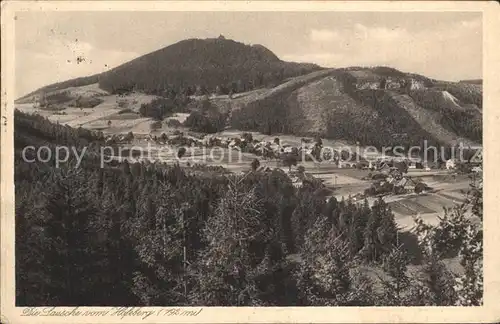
pixel 354 103
pixel 204 64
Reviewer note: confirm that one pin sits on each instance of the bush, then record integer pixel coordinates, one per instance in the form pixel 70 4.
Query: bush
pixel 369 191
pixel 247 137
pixel 158 108
pixel 181 152
pixel 206 123
pixel 51 107
pixel 289 160
pixel 130 136
pixel 361 165
pixel 173 123
pixel 55 99
pixel 378 189
pixel 255 164
pixel 420 187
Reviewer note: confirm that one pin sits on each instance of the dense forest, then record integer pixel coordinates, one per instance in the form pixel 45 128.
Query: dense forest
pixel 157 234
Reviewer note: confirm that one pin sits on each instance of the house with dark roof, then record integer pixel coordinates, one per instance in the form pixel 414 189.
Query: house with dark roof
pixel 405 185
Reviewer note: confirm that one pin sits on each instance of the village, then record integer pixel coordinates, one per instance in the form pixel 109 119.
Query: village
pixel 409 185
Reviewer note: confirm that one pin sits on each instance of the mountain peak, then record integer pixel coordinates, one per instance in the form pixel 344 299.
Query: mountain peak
pixel 209 62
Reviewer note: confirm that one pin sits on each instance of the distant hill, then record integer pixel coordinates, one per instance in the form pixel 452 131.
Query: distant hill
pixel 60 86
pixel 473 81
pixel 376 106
pixel 206 65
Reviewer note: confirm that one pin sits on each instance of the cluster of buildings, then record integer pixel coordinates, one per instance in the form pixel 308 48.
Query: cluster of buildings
pixel 264 148
pixel 117 139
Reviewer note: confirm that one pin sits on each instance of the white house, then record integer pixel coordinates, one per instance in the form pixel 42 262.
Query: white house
pixel 450 164
pixel 477 169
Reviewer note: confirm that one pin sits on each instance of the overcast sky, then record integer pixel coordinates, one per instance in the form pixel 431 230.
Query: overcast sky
pixel 443 45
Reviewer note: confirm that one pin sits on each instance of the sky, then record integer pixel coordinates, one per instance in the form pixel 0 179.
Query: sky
pixel 442 45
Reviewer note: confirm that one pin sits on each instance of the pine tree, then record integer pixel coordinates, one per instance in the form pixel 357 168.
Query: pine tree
pixel 380 232
pixel 439 282
pixel 71 255
pixel 323 275
pixel 235 238
pixel 395 265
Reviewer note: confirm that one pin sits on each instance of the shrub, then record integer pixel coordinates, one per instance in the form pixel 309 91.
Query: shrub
pixel 181 152
pixel 51 107
pixel 419 187
pixel 55 99
pixel 361 165
pixel 207 123
pixel 86 102
pixel 130 136
pixel 158 108
pixel 255 164
pixel 247 137
pixel 173 123
pixel 289 160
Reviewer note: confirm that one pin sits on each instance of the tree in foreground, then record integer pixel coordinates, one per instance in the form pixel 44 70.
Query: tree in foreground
pixel 395 265
pixel 324 275
pixel 456 234
pixel 237 237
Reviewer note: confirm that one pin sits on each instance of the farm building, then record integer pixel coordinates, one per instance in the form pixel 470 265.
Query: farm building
pixel 477 169
pixel 343 164
pixel 405 185
pixel 384 167
pixel 393 84
pixel 413 84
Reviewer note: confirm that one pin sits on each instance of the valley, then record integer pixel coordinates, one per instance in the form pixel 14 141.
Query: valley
pixel 343 182
pixel 216 173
